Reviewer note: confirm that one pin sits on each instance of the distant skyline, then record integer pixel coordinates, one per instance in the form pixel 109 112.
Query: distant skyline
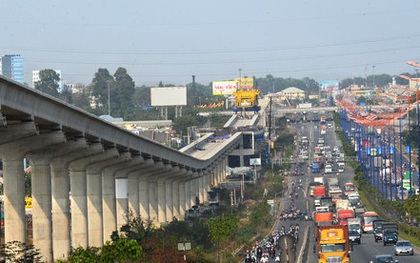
pixel 170 41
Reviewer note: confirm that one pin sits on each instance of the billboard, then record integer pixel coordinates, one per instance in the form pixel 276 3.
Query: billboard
pixel 246 83
pixel 228 87
pixel 168 96
pixel 224 87
pixel 329 85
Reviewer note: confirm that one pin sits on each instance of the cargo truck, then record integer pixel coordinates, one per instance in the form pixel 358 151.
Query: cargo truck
pixel 333 244
pixel 355 224
pixel 343 215
pixel 319 192
pixel 389 233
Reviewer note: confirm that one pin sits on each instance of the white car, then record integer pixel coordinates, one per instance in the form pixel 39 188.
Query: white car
pixel 328 169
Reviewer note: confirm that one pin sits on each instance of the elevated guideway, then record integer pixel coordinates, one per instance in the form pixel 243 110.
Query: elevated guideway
pixel 102 168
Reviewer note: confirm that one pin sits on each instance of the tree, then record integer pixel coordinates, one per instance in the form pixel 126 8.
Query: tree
pixel 48 82
pixel 412 206
pixel 16 251
pixel 81 98
pixel 122 94
pixel 222 228
pixel 99 87
pixel 121 250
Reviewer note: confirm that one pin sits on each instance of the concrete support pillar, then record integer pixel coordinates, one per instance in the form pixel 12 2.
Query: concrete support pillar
pixel 161 198
pixel 206 187
pixel 182 198
pixel 201 188
pixel 175 200
pixel 134 192
pixel 78 188
pixel 144 197
pixel 94 197
pixel 14 182
pixel 60 190
pixel 41 206
pixel 153 201
pixel 14 196
pixel 108 205
pixel 121 198
pixel 110 215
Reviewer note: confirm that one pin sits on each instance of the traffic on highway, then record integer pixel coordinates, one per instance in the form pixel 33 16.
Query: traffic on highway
pixel 322 214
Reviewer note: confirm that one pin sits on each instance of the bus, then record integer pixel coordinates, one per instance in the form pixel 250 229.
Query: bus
pixel 367 221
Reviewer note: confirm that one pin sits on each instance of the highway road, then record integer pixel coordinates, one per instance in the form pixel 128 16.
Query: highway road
pixel 361 253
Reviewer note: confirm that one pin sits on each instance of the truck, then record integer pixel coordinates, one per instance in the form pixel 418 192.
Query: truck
pixel 389 233
pixel 312 187
pixel 349 188
pixel 319 179
pixel 328 202
pixel 355 224
pixel 319 192
pixel 333 181
pixel 333 244
pixel 316 167
pixel 343 215
pixel 323 219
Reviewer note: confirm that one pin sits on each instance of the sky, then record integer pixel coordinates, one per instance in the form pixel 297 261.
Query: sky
pixel 170 41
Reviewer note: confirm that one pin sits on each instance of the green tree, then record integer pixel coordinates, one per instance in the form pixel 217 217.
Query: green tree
pixel 121 250
pixel 122 95
pixel 99 86
pixel 412 206
pixel 48 82
pixel 81 99
pixel 222 229
pixel 16 251
pixel 260 216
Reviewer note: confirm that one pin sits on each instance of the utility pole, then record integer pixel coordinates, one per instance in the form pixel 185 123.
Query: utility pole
pixel 109 98
pixel 269 123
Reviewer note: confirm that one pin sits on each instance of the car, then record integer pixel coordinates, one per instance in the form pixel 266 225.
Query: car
pixel 403 247
pixel 354 236
pixel 384 258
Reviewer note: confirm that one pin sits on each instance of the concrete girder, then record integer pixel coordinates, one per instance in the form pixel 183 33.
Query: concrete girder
pixel 16 132
pixel 14 181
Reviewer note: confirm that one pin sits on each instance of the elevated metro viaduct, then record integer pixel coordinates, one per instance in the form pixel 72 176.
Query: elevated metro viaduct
pixel 88 173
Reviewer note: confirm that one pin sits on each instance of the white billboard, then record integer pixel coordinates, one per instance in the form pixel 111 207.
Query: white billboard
pixel 168 96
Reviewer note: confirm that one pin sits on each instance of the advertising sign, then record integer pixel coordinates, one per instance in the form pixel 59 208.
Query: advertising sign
pixel 228 87
pixel 168 96
pixel 245 83
pixel 224 87
pixel 329 85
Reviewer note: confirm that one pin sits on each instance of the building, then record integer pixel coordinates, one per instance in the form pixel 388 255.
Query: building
pixel 11 66
pixel 291 93
pixel 35 78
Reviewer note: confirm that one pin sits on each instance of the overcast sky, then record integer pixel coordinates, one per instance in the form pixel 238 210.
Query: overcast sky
pixel 171 40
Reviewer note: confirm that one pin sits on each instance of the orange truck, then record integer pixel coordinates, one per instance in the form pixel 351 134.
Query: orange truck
pixel 319 192
pixel 323 219
pixel 343 215
pixel 333 244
